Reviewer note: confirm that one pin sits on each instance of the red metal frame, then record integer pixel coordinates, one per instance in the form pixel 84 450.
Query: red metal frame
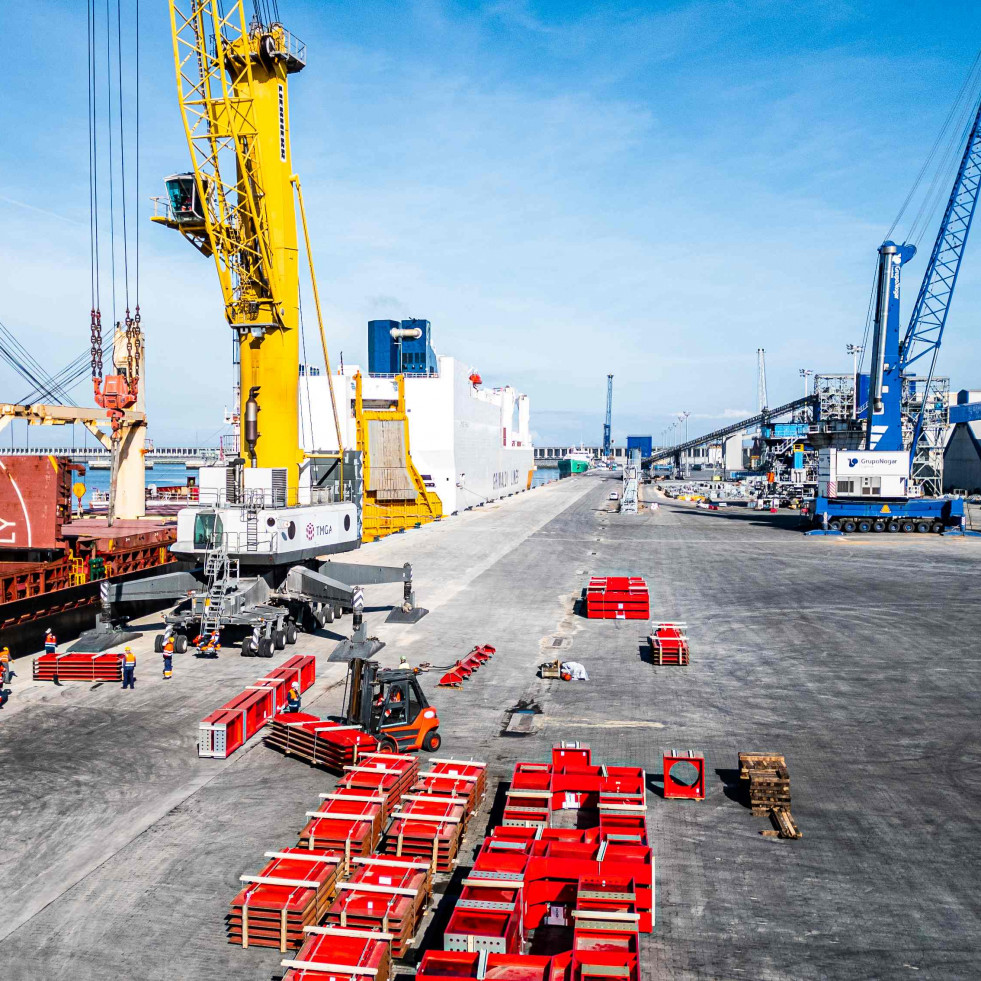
pixel 467 665
pixel 337 954
pixel 669 644
pixel 675 790
pixel 106 666
pixel 617 598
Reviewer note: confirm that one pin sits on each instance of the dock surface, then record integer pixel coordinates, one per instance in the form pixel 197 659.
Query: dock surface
pixel 856 659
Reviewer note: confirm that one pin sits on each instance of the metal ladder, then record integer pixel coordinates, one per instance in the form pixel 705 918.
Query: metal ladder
pixel 252 504
pixel 219 569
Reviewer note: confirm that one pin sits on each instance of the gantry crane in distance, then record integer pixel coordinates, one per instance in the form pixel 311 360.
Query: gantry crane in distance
pixel 883 488
pixel 264 520
pixel 608 424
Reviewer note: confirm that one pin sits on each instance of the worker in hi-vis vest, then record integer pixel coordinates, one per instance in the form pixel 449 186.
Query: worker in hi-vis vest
pixel 293 698
pixel 50 641
pixel 5 672
pixel 129 668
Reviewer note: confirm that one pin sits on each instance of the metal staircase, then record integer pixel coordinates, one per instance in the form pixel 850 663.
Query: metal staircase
pixel 219 570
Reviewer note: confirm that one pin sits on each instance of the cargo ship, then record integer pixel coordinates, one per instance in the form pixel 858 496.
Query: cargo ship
pixel 51 562
pixel 468 444
pixel 578 461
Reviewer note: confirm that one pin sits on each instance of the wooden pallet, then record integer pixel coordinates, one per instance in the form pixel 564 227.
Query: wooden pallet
pixel 785 825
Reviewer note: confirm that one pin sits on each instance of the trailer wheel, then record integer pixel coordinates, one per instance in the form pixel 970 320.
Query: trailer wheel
pixel 158 644
pixel 906 526
pixel 848 525
pixel 878 526
pixel 937 527
pixel 291 633
pixel 893 526
pixel 923 527
pixel 248 648
pixel 279 639
pixel 834 525
pixel 432 741
pixel 180 643
pixel 265 648
pixel 865 526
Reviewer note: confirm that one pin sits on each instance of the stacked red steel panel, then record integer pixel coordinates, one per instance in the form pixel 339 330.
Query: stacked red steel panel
pixel 78 667
pixel 617 598
pixel 388 895
pixel 669 643
pixel 232 725
pixel 336 954
pixel 466 666
pixel 429 829
pixel 320 742
pixel 292 891
pixel 441 965
pixel 456 779
pixel 387 775
pixel 347 821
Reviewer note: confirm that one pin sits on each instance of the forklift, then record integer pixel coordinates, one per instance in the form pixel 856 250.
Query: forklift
pixel 390 705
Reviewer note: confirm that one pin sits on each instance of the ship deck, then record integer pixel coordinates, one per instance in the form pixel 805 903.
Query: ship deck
pixel 856 659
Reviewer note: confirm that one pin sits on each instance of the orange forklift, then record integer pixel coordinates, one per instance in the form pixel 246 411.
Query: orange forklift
pixel 390 704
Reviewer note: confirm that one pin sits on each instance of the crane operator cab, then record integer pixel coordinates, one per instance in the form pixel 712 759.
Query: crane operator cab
pixel 390 704
pixel 186 207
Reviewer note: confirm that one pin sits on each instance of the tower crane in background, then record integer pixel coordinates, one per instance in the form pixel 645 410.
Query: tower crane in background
pixel 761 396
pixel 608 424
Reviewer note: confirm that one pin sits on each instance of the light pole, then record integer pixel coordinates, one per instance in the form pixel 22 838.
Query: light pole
pixel 683 418
pixel 806 373
pixel 854 350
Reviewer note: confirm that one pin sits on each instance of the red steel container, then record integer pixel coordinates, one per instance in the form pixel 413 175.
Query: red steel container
pixel 617 598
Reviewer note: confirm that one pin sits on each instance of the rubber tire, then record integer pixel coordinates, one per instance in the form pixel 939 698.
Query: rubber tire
pixel 279 640
pixel 265 648
pixel 432 741
pixel 158 644
pixel 922 527
pixel 834 525
pixel 906 526
pixel 937 527
pixel 247 649
pixel 848 526
pixel 180 644
pixel 387 745
pixel 878 526
pixel 865 526
pixel 892 526
pixel 291 633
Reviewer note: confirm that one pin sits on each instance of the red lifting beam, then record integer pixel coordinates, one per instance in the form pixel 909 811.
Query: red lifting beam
pixel 466 666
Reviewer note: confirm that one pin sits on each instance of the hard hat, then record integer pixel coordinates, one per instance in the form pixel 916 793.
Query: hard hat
pixel 128 650
pixel 403 660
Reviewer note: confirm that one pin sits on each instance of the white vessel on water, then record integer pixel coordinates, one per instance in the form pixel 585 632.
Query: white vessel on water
pixel 469 444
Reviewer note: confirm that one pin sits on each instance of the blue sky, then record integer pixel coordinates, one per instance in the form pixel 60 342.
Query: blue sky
pixel 565 189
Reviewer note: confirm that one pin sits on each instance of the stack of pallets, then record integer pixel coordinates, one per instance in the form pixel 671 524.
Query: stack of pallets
pixel 318 741
pixel 769 789
pixel 292 891
pixel 78 667
pixel 390 895
pixel 336 954
pixel 428 829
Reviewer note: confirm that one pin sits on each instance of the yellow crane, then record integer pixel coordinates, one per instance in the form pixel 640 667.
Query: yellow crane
pixel 239 205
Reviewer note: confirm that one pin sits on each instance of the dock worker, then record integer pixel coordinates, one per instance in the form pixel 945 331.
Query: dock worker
pixel 168 658
pixel 210 645
pixel 50 641
pixel 293 698
pixel 5 665
pixel 404 663
pixel 129 668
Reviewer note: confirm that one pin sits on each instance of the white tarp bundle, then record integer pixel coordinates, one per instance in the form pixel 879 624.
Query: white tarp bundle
pixel 575 671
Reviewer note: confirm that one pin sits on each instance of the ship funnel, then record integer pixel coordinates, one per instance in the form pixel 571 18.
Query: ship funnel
pixel 251 427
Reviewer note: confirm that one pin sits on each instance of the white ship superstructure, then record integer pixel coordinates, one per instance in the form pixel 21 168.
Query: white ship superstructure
pixel 469 444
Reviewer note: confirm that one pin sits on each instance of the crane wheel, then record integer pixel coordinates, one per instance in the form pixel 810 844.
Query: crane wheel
pixel 923 527
pixel 279 640
pixel 834 525
pixel 937 527
pixel 265 648
pixel 892 526
pixel 158 644
pixel 291 633
pixel 864 526
pixel 248 649
pixel 878 526
pixel 848 526
pixel 906 526
pixel 432 741
pixel 180 643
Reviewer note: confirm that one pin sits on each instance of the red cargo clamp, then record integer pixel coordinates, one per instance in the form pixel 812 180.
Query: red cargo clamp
pixel 466 666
